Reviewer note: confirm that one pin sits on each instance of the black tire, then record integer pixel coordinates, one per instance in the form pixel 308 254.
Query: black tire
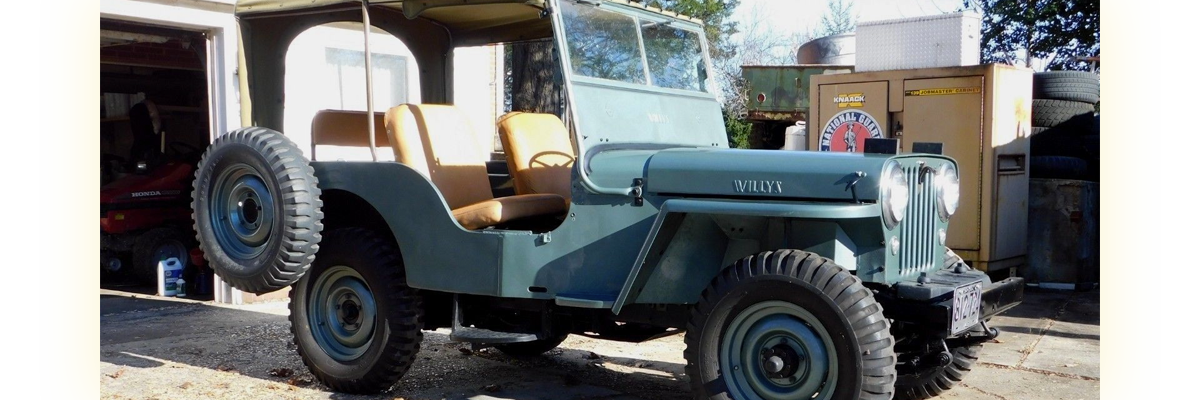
pixel 395 338
pixel 1057 167
pixel 288 216
pixel 531 349
pixel 835 299
pixel 157 245
pixel 1085 147
pixel 935 380
pixel 1067 85
pixel 1071 116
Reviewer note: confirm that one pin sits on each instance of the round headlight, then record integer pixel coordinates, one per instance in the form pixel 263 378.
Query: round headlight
pixel 894 190
pixel 947 191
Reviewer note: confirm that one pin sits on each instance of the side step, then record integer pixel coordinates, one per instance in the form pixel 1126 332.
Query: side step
pixel 460 333
pixel 484 336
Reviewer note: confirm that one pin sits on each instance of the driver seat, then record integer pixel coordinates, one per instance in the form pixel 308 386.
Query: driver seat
pixel 436 141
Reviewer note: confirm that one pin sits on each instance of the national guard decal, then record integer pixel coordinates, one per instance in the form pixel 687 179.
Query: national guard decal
pixel 848 131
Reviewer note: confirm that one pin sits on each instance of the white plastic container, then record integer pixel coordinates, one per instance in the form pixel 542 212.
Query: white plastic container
pixel 795 137
pixel 170 271
pixel 948 40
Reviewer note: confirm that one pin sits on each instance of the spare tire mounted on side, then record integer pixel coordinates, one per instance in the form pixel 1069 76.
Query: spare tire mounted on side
pixel 257 210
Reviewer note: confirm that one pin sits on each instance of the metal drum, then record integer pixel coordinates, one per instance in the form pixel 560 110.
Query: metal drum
pixel 831 50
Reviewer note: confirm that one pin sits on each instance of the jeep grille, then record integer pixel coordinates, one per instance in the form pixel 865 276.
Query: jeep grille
pixel 919 248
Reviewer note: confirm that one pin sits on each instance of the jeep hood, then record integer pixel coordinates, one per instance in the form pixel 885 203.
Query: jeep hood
pixel 805 175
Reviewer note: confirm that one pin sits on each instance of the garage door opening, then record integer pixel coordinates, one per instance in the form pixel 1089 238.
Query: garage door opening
pixel 154 125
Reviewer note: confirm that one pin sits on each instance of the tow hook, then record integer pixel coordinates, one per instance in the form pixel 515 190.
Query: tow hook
pixel 988 334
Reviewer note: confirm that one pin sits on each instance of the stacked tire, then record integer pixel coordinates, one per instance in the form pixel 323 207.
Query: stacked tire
pixel 1065 142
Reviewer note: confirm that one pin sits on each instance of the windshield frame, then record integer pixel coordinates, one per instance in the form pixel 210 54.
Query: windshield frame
pixel 640 17
pixel 613 115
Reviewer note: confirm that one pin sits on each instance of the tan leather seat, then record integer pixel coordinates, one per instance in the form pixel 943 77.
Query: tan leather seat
pixel 436 141
pixel 345 128
pixel 539 153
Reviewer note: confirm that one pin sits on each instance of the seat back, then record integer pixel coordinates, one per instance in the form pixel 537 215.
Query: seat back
pixel 345 128
pixel 539 153
pixel 437 141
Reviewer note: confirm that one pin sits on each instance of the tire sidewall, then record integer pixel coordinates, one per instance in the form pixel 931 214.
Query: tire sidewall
pixel 144 265
pixel 221 158
pixel 792 290
pixel 336 254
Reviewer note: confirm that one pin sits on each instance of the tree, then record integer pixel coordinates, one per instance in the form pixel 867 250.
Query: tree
pixel 1019 31
pixel 717 23
pixel 838 19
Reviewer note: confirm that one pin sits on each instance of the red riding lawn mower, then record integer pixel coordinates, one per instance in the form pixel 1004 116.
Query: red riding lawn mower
pixel 145 205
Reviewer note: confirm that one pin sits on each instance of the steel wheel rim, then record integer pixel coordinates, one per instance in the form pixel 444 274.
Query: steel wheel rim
pixel 769 331
pixel 342 313
pixel 242 212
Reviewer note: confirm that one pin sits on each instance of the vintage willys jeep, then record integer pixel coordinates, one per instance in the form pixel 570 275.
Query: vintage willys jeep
pixel 794 274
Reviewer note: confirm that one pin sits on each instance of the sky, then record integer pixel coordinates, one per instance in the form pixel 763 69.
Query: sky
pixel 790 16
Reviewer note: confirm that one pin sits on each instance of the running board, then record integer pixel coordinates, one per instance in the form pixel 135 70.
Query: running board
pixel 484 336
pixel 460 333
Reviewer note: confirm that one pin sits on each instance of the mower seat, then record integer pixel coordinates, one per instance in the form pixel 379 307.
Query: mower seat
pixel 437 141
pixel 539 153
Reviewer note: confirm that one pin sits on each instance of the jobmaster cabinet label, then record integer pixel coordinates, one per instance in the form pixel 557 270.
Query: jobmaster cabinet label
pixel 848 131
pixel 943 91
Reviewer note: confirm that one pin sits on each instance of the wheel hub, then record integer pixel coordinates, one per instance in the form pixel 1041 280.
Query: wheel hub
pixel 780 361
pixel 342 313
pixel 242 212
pixel 777 350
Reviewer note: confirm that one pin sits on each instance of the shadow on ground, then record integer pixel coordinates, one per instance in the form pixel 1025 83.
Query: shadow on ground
pixel 160 340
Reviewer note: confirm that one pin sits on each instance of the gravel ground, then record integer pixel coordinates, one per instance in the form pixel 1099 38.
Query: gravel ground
pixel 165 348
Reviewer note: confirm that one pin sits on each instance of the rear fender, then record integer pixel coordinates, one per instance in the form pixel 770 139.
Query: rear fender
pixel 418 218
pixel 692 240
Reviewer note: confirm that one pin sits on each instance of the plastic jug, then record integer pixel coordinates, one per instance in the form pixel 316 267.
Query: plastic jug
pixel 169 273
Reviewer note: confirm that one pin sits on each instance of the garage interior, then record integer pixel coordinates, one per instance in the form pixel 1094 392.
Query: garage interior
pixel 154 124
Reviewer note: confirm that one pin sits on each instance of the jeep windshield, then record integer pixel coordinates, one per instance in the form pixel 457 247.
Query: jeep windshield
pixel 606 45
pixel 637 76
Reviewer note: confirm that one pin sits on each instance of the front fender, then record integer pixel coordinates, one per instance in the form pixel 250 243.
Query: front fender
pixel 711 232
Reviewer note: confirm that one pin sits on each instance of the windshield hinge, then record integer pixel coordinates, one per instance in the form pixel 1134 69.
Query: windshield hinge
pixel 852 184
pixel 637 191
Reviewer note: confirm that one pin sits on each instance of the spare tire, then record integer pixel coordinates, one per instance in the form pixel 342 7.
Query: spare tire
pixel 257 210
pixel 1067 85
pixel 1069 115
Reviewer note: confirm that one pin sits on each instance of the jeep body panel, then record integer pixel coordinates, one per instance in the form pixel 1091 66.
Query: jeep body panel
pixel 610 252
pixel 755 174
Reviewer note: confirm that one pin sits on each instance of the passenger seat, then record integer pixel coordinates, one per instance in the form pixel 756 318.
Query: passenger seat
pixel 436 141
pixel 539 153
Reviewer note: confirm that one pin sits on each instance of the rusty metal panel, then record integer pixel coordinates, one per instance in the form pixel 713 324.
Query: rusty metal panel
pixel 780 93
pixel 848 114
pixel 950 111
pixel 1064 226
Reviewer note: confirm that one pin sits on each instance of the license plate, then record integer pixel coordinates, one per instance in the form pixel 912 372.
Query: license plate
pixel 966 307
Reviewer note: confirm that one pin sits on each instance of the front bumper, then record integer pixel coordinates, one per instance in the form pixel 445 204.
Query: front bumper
pixel 1001 296
pixel 928 307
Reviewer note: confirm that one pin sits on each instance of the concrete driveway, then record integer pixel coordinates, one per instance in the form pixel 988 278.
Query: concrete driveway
pixel 165 348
